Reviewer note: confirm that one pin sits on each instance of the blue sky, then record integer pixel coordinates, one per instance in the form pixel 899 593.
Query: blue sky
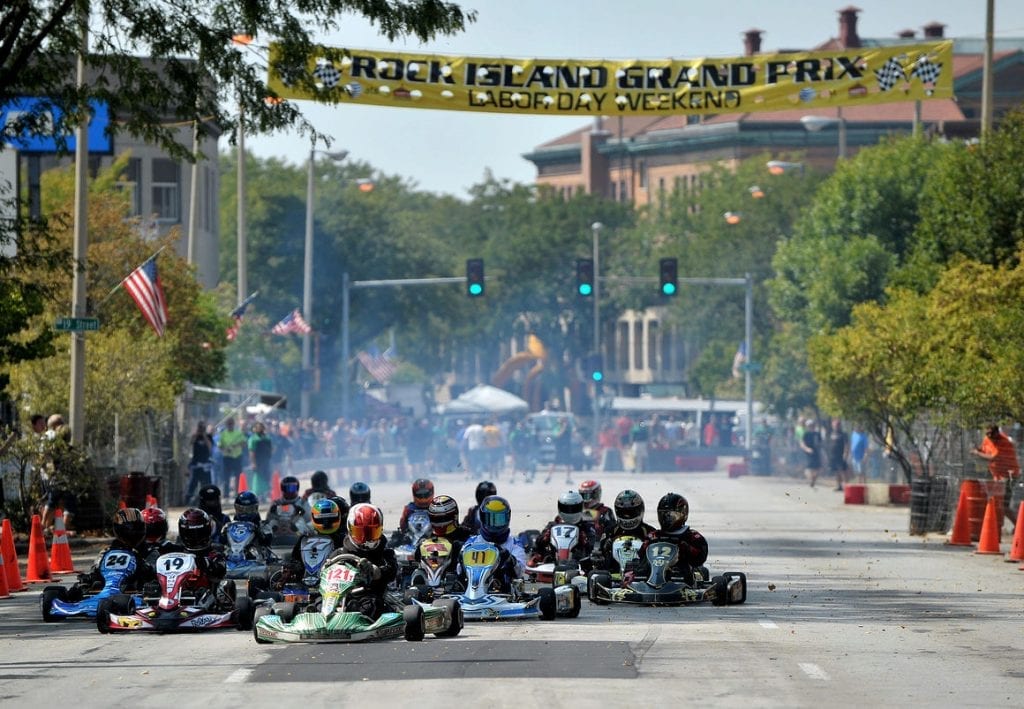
pixel 449 151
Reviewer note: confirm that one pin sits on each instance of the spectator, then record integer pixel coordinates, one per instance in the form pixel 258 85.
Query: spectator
pixel 998 449
pixel 838 452
pixel 858 451
pixel 810 444
pixel 417 442
pixel 261 452
pixel 55 474
pixel 200 465
pixel 232 444
pixel 640 435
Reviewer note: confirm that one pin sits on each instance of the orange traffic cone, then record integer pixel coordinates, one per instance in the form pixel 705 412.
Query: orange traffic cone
pixel 60 550
pixel 12 572
pixel 275 483
pixel 243 484
pixel 38 565
pixel 5 592
pixel 961 523
pixel 1017 547
pixel 151 501
pixel 989 541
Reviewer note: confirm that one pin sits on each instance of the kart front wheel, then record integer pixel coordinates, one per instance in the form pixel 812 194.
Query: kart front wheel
pixel 601 578
pixel 51 594
pixel 720 586
pixel 455 613
pixel 577 604
pixel 260 612
pixel 244 612
pixel 285 610
pixel 414 626
pixel 548 603
pixel 122 604
pixel 742 579
pixel 103 616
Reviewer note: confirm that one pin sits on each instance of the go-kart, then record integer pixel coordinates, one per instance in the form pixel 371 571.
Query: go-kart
pixel 405 543
pixel 564 573
pixel 83 600
pixel 435 574
pixel 245 556
pixel 481 601
pixel 288 520
pixel 658 588
pixel 290 586
pixel 327 619
pixel 180 606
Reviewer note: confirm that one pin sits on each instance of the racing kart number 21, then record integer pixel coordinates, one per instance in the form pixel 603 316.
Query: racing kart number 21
pixel 340 574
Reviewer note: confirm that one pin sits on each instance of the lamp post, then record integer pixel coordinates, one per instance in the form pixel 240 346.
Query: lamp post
pixel 596 230
pixel 817 123
pixel 307 276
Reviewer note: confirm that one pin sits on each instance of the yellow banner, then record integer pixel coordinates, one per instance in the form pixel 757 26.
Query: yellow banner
pixel 765 82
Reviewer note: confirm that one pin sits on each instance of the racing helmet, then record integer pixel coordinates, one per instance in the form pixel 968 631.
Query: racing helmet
pixel 422 492
pixel 247 507
pixel 673 511
pixel 494 515
pixel 209 499
pixel 485 489
pixel 343 507
pixel 129 529
pixel 289 487
pixel 590 490
pixel 195 529
pixel 444 515
pixel 366 526
pixel 319 481
pixel 359 492
pixel 326 516
pixel 155 520
pixel 570 506
pixel 629 508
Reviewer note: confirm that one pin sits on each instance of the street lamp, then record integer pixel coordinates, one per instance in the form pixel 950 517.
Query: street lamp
pixel 596 230
pixel 818 123
pixel 307 275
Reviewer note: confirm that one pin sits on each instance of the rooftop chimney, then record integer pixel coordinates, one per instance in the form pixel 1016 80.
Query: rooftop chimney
pixel 848 27
pixel 752 42
pixel 934 30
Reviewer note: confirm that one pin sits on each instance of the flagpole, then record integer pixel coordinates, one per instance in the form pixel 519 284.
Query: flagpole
pixel 121 283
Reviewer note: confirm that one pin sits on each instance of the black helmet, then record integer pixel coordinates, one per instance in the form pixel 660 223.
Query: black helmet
pixel 209 500
pixel 319 481
pixel 195 529
pixel 673 511
pixel 247 506
pixel 359 492
pixel 444 515
pixel 129 527
pixel 485 489
pixel 343 507
pixel 629 509
pixel 289 487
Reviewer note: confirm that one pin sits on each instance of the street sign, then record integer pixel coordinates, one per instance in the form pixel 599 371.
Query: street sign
pixel 78 324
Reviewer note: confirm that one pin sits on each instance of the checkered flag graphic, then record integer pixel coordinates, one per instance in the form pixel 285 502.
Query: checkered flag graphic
pixel 890 73
pixel 927 71
pixel 326 74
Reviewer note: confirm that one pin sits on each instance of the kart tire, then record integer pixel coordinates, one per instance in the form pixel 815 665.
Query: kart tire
pixel 103 616
pixel 257 584
pixel 122 604
pixel 285 610
pixel 259 613
pixel 577 604
pixel 414 626
pixel 548 604
pixel 603 578
pixel 743 584
pixel 51 594
pixel 720 586
pixel 455 612
pixel 244 610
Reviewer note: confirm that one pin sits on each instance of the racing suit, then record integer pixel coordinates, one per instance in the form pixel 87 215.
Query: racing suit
pixel 93 580
pixel 381 570
pixel 211 588
pixel 264 533
pixel 151 551
pixel 410 507
pixel 603 558
pixel 511 561
pixel 544 550
pixel 601 516
pixel 470 521
pixel 693 551
pixel 220 521
pixel 295 567
pixel 289 516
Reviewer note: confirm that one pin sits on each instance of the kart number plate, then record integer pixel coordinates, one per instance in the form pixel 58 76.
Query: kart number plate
pixel 479 557
pixel 340 574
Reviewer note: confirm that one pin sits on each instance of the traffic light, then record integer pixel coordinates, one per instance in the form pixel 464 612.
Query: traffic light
pixel 668 276
pixel 474 277
pixel 594 366
pixel 585 276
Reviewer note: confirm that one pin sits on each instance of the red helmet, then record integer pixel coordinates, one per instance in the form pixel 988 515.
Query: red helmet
pixel 156 524
pixel 422 492
pixel 366 525
pixel 591 492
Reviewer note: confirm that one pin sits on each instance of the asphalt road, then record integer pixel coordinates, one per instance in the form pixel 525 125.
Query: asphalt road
pixel 844 609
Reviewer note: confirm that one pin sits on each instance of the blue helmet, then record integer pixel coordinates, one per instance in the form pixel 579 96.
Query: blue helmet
pixel 494 515
pixel 247 507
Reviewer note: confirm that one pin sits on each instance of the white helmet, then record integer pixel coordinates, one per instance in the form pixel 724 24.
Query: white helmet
pixel 570 506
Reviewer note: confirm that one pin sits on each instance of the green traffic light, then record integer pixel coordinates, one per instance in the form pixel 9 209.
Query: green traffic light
pixel 669 289
pixel 586 289
pixel 475 289
pixel 597 376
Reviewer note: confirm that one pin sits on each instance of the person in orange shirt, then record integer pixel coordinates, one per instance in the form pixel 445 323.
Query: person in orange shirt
pixel 998 449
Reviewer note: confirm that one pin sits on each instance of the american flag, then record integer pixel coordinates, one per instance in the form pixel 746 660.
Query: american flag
pixel 143 284
pixel 380 366
pixel 292 323
pixel 237 314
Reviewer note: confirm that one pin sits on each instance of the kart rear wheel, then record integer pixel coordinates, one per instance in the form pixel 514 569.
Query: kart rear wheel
pixel 285 610
pixel 103 616
pixel 414 627
pixel 244 610
pixel 51 594
pixel 548 603
pixel 257 584
pixel 604 579
pixel 577 604
pixel 455 613
pixel 720 586
pixel 259 613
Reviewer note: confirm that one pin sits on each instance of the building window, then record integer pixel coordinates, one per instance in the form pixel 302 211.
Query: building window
pixel 642 170
pixel 622 191
pixel 638 344
pixel 129 183
pixel 167 190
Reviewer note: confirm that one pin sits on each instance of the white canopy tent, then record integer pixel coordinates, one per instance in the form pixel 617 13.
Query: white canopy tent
pixel 486 399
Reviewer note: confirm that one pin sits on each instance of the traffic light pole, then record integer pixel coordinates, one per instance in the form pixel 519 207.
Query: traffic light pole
pixel 596 401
